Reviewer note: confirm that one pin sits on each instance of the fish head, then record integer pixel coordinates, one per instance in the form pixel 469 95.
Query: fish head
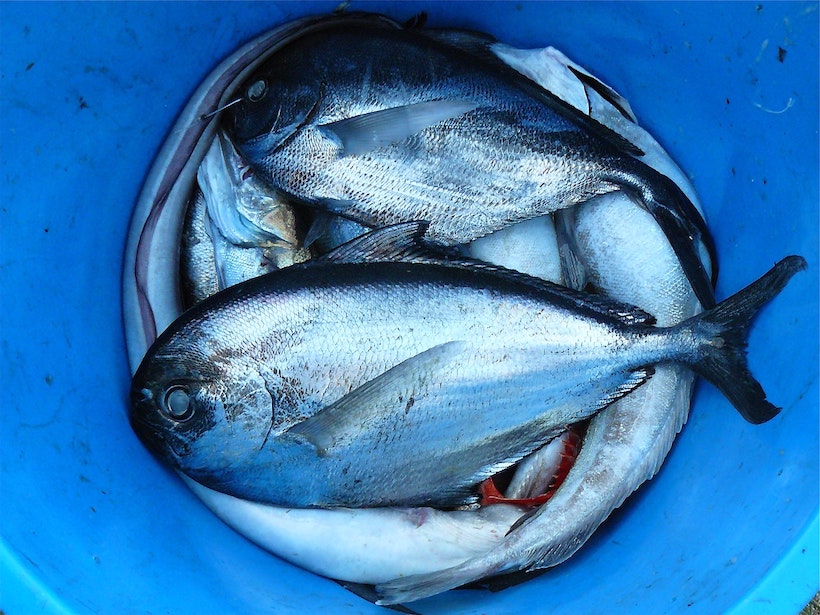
pixel 256 111
pixel 269 108
pixel 170 404
pixel 198 413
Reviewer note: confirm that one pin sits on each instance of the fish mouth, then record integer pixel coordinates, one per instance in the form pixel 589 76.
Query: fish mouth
pixel 153 436
pixel 147 432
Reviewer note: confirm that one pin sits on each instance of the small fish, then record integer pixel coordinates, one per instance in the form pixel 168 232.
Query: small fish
pixel 315 385
pixel 197 264
pixel 236 227
pixel 382 125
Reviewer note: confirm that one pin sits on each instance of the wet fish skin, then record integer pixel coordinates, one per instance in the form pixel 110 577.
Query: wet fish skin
pixel 420 539
pixel 626 442
pixel 322 366
pixel 236 226
pixel 197 267
pixel 314 361
pixel 336 122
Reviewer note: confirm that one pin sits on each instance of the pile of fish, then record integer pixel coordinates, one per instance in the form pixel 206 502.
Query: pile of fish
pixel 416 283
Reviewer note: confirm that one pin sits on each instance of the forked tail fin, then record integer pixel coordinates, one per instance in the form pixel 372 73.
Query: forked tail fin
pixel 723 359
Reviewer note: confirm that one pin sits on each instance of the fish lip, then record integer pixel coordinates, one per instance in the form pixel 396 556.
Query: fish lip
pixel 146 430
pixel 151 435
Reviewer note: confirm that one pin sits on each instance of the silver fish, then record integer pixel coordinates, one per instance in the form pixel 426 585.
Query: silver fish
pixel 628 441
pixel 197 264
pixel 315 385
pixel 365 545
pixel 383 125
pixel 249 228
pixel 530 247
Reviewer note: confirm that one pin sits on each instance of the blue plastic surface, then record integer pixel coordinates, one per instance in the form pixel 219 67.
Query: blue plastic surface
pixel 89 522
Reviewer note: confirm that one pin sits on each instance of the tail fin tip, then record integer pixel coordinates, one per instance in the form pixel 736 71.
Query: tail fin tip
pixel 724 364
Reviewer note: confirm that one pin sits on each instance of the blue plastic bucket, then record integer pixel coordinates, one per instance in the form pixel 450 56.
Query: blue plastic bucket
pixel 90 522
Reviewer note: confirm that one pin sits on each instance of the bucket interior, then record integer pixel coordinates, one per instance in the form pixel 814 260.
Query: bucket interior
pixel 91 522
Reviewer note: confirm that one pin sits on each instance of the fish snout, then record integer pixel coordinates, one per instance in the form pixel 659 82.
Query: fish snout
pixel 149 426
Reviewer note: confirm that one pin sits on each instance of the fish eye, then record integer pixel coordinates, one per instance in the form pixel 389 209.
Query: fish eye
pixel 176 403
pixel 257 90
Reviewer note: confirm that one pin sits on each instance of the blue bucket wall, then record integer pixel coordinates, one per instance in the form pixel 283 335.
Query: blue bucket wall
pixel 91 523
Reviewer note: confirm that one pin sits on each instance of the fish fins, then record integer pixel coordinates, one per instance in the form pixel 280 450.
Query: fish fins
pixel 404 242
pixel 573 269
pixel 363 133
pixel 399 242
pixel 505 581
pixel 679 220
pixel 366 592
pixel 470 41
pixel 685 246
pixel 327 231
pixel 366 407
pixel 604 91
pixel 417 586
pixel 723 360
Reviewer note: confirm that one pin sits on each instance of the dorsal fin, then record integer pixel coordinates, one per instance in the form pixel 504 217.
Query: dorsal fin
pixel 405 243
pixel 477 45
pixel 400 242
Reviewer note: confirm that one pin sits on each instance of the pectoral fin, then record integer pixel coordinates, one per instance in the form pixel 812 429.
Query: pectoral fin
pixel 365 409
pixel 399 242
pixel 364 133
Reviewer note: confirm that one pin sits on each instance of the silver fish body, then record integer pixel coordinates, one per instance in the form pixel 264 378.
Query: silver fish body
pixel 625 445
pixel 197 265
pixel 337 375
pixel 315 385
pixel 385 125
pixel 365 545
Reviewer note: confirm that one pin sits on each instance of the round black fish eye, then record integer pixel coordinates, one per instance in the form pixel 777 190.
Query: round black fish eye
pixel 257 90
pixel 176 403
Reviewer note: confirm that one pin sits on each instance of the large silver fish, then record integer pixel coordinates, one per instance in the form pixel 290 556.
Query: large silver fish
pixel 349 383
pixel 383 124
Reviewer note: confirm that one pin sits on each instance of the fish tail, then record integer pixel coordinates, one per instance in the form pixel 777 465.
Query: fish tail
pixel 722 358
pixel 417 586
